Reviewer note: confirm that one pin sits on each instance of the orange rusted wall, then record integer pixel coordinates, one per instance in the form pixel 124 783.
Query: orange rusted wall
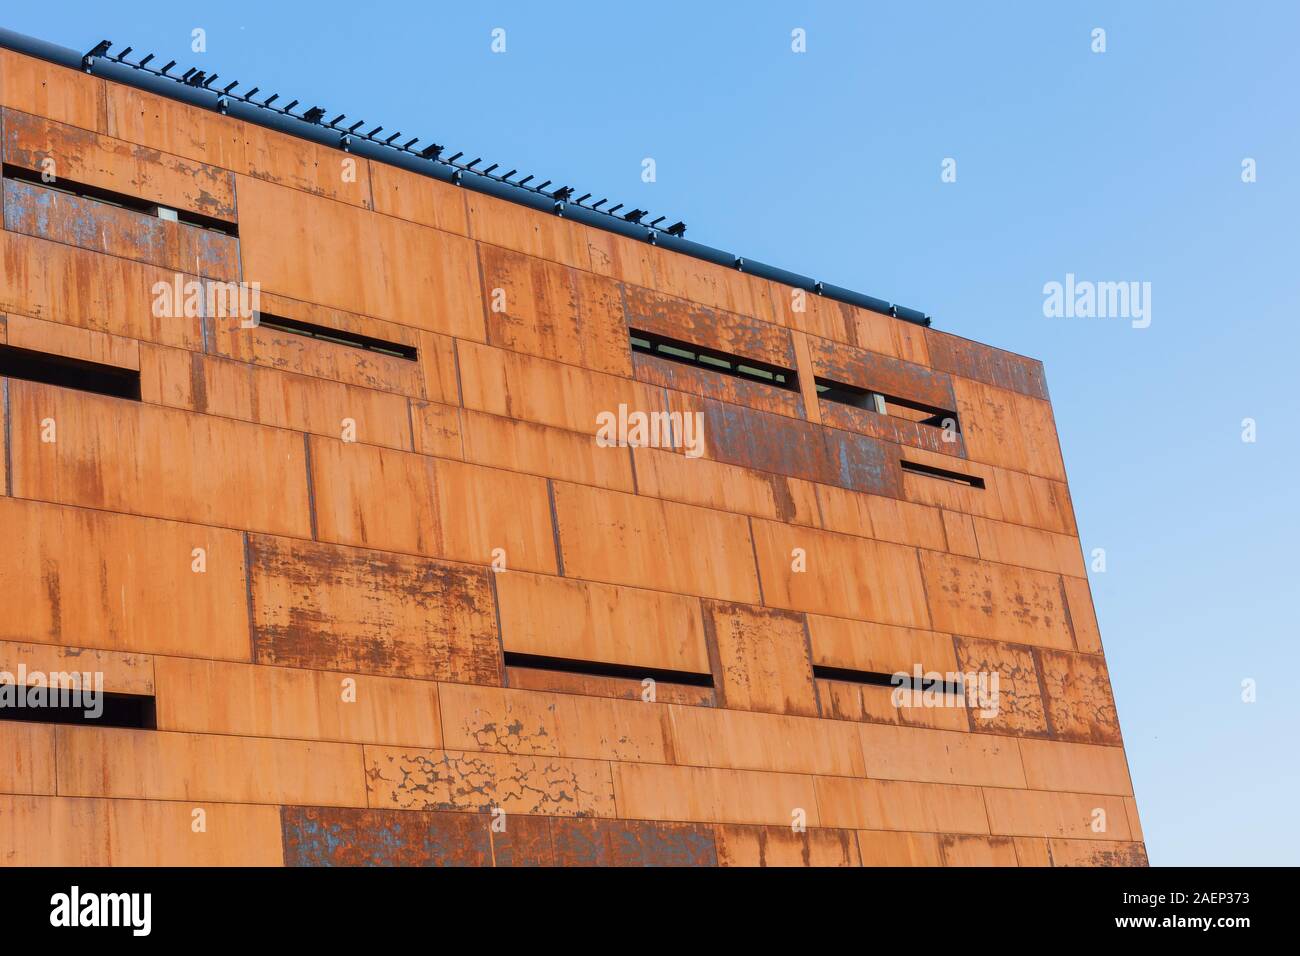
pixel 430 597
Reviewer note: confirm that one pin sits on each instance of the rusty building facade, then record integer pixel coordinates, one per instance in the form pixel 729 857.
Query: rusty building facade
pixel 366 584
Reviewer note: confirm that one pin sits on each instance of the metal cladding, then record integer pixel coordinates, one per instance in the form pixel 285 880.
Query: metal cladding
pixel 417 561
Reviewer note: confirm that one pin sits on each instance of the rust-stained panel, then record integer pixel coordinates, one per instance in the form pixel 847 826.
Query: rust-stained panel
pixel 88 158
pixel 336 836
pixel 1080 705
pixel 35 210
pixel 335 608
pixel 763 658
pixel 687 321
pixel 986 364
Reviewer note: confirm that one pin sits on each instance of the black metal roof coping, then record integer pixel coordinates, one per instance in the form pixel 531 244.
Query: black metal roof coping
pixel 200 88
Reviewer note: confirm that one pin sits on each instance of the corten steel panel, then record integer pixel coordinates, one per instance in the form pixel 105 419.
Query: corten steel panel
pixel 549 393
pixel 211 697
pixel 685 321
pixel 35 210
pixel 370 612
pixel 286 400
pixel 333 836
pixel 807 570
pixel 887 848
pixel 436 429
pixel 363 719
pixel 661 473
pixel 710 384
pixel 305 247
pixel 118 582
pixel 624 539
pixel 334 362
pixel 984 599
pixel 763 660
pixel 939 756
pixel 900 805
pixel 91 159
pixel 985 364
pixel 48 280
pixel 709 795
pixel 378 498
pixel 961 850
pixel 1086 816
pixel 120 455
pixel 544 309
pixel 1008 429
pixel 797 449
pixel 1019 709
pixel 120 673
pixel 781 846
pixel 156 765
pixel 411 779
pixel 29 751
pixel 746 740
pixel 500 223
pixel 44 89
pixel 544 450
pixel 562 725
pixel 704 283
pixel 55 338
pixel 407 195
pixel 876 516
pixel 878 648
pixel 80 831
pixel 587 621
pixel 848 700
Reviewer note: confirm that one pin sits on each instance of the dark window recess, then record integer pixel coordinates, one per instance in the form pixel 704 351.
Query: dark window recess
pixel 883 404
pixel 734 365
pixel 972 481
pixel 880 679
pixel 69 373
pixel 122 200
pixel 600 669
pixel 337 336
pixel 115 710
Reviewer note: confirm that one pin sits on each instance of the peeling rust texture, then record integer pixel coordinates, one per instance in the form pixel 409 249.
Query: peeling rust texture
pixel 1080 706
pixel 700 325
pixel 986 364
pixel 328 607
pixel 880 373
pixel 334 836
pixel 33 210
pixel 797 449
pixel 1020 702
pixel 654 370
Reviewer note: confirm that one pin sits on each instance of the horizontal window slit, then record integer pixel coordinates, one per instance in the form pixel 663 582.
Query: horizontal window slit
pixel 65 372
pixel 737 366
pixel 70 705
pixel 881 679
pixel 882 404
pixel 122 201
pixel 602 669
pixel 337 337
pixel 972 481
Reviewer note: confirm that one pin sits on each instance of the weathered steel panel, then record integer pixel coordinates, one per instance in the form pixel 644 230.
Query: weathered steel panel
pixel 986 364
pixel 335 608
pixel 337 836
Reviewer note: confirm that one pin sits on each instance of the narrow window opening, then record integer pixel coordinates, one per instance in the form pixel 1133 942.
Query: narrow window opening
pixel 337 336
pixel 737 366
pixel 883 404
pixel 971 481
pixel 601 669
pixel 881 679
pixel 69 373
pixel 63 705
pixel 122 201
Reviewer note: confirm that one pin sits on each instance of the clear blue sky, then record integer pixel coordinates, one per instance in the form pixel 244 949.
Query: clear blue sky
pixel 1124 165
